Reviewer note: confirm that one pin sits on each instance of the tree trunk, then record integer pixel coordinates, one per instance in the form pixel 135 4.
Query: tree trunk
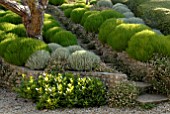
pixel 32 13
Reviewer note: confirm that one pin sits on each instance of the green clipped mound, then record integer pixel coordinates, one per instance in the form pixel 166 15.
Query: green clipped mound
pixel 106 14
pixel 2 13
pixel 83 60
pixel 8 36
pixel 104 3
pixel 48 17
pixel 63 90
pixel 64 38
pixel 74 48
pixel 38 60
pixel 2 33
pixel 49 24
pixel 118 39
pixel 93 22
pixel 107 27
pixel 57 2
pixel 86 14
pixel 4 44
pixel 19 50
pixel 133 20
pixel 67 12
pixel 6 26
pixel 60 54
pixel 50 33
pixel 75 5
pixel 53 46
pixel 123 94
pixel 77 14
pixel 141 47
pixel 19 30
pixel 11 18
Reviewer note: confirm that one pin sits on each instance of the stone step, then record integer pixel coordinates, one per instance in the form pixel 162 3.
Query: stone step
pixel 151 98
pixel 142 86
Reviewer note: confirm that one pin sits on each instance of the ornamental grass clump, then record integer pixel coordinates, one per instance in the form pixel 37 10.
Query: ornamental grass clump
pixel 77 14
pixel 64 38
pixel 83 60
pixel 107 27
pixel 123 94
pixel 93 22
pixel 20 50
pixel 53 46
pixel 119 38
pixel 52 91
pixel 38 60
pixel 104 3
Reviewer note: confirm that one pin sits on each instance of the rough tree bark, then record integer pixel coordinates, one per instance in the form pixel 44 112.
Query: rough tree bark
pixel 32 13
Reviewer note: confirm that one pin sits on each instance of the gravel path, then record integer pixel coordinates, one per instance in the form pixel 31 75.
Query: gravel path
pixel 10 104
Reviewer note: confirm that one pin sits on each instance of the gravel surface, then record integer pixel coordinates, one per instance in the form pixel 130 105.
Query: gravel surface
pixel 10 104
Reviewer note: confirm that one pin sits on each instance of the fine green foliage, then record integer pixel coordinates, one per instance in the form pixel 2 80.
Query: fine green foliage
pixel 119 5
pixel 63 90
pixel 49 24
pixel 2 33
pixel 83 60
pixel 122 94
pixel 38 60
pixel 19 51
pixel 64 38
pixel 107 27
pixel 2 13
pixel 118 39
pixel 57 2
pixel 75 5
pixel 60 54
pixel 19 30
pixel 48 35
pixel 140 45
pixel 93 22
pixel 11 18
pixel 77 14
pixel 6 26
pixel 74 48
pixel 106 14
pixel 8 36
pixel 104 3
pixel 48 17
pixel 67 12
pixel 53 46
pixel 86 14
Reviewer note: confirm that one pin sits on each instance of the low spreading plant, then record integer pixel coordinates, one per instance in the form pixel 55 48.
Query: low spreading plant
pixel 63 90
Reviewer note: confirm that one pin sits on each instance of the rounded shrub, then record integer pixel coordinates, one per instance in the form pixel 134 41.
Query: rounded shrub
pixel 63 90
pixel 133 20
pixel 86 14
pixel 104 3
pixel 57 2
pixel 122 9
pixel 83 60
pixel 123 94
pixel 67 6
pixel 19 51
pixel 67 12
pixel 118 39
pixel 140 45
pixel 60 54
pixel 64 38
pixel 6 26
pixel 74 48
pixel 93 22
pixel 2 34
pixel 19 30
pixel 107 27
pixel 50 33
pixel 11 18
pixel 49 24
pixel 2 13
pixel 128 14
pixel 48 17
pixel 76 14
pixel 106 14
pixel 53 46
pixel 38 60
pixel 119 5
pixel 8 36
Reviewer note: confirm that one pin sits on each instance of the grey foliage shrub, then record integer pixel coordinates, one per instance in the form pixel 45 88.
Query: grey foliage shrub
pixel 104 3
pixel 54 46
pixel 60 54
pixel 122 9
pixel 128 14
pixel 38 60
pixel 133 20
pixel 119 5
pixel 74 48
pixel 157 31
pixel 83 60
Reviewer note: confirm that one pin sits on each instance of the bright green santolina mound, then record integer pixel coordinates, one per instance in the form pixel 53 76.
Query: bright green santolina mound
pixel 118 39
pixel 19 30
pixel 107 27
pixel 76 14
pixel 57 2
pixel 49 24
pixel 67 12
pixel 6 26
pixel 141 46
pixel 19 50
pixel 64 38
pixel 93 22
